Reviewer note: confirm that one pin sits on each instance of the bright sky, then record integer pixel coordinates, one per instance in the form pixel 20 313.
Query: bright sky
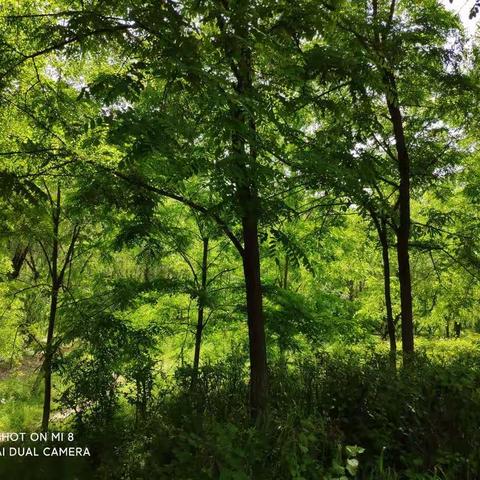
pixel 463 7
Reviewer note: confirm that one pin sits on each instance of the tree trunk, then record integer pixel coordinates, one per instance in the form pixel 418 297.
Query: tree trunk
pixel 403 231
pixel 47 364
pixel 256 327
pixel 285 272
pixel 200 312
pixel 244 158
pixel 382 233
pixel 55 287
pixel 457 326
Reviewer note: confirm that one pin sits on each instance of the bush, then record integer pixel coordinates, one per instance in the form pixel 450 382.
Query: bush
pixel 330 416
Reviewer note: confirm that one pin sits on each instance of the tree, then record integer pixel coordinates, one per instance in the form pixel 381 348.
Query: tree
pixel 57 268
pixel 377 60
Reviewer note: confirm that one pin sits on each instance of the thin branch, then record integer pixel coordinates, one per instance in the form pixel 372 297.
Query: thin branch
pixel 186 201
pixel 189 263
pixel 60 45
pixel 69 255
pixel 220 274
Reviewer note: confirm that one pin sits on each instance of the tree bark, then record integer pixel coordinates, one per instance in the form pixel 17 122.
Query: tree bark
pixel 256 327
pixel 200 312
pixel 403 230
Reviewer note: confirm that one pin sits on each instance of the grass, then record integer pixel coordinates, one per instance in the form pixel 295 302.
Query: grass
pixel 21 403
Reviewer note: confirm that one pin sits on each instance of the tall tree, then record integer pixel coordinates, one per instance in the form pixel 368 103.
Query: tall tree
pixel 200 59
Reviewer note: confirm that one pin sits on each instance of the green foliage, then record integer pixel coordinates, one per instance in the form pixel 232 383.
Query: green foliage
pixel 20 401
pixel 228 178
pixel 331 415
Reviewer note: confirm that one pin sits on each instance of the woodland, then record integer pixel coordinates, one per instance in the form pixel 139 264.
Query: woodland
pixel 241 239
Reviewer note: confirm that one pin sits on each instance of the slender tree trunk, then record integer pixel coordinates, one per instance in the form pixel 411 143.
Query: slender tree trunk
pixel 256 327
pixel 382 233
pixel 47 364
pixel 54 277
pixel 285 272
pixel 200 312
pixel 403 231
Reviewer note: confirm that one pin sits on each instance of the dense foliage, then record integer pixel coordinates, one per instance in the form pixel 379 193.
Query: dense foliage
pixel 221 222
